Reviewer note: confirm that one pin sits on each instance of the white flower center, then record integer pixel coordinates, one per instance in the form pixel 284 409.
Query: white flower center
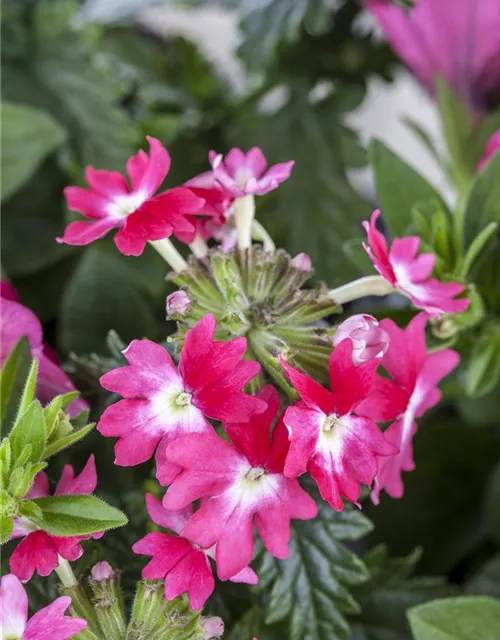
pixel 183 399
pixel 330 422
pixel 123 206
pixel 255 473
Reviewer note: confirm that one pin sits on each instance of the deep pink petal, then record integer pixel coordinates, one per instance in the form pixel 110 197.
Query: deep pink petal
pixel 84 483
pixel 196 349
pixel 40 488
pixel 35 553
pixel 69 548
pixel 377 249
pixel 173 520
pixel 193 575
pixel 312 393
pixel 50 622
pixel 166 550
pixel 81 233
pixel 147 178
pixel 304 428
pixel 108 184
pixel 386 401
pixel 136 167
pixel 86 202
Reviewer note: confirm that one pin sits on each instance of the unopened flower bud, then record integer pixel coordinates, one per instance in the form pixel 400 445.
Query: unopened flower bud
pixel 368 338
pixel 212 627
pixel 102 571
pixel 178 304
pixel 301 262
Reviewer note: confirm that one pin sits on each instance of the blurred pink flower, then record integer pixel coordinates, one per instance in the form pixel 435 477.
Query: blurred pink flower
pixel 492 148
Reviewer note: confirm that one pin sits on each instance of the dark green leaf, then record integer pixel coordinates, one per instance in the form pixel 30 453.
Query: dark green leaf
pixel 311 587
pixel 29 430
pixel 77 515
pixel 483 204
pixel 483 373
pixel 12 378
pixel 399 188
pixel 67 441
pixel 28 135
pixel 456 618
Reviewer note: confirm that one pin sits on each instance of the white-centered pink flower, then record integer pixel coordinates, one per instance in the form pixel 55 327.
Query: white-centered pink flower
pixel 368 338
pixel 163 402
pixel 410 273
pixel 39 551
pixel 240 174
pixel 417 375
pixel 49 623
pixel 329 437
pixel 184 566
pixel 239 483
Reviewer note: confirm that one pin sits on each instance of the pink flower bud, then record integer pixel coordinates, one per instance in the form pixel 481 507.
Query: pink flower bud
pixel 178 304
pixel 102 571
pixel 212 627
pixel 301 262
pixel 368 338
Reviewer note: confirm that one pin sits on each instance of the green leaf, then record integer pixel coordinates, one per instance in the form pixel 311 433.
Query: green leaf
pixel 399 188
pixel 77 515
pixel 390 591
pixel 483 372
pixel 28 136
pixel 101 296
pixel 6 528
pixel 59 403
pixel 29 430
pixel 483 203
pixel 456 619
pixel 311 587
pixel 424 138
pixel 67 441
pixel 12 378
pixel 29 390
pixel 477 246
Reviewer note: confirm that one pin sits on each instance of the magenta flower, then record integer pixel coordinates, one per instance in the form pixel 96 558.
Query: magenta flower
pixel 39 550
pixel 417 375
pixel 240 174
pixel 410 273
pixel 19 321
pixel 455 39
pixel 237 482
pixel 139 215
pixel 492 148
pixel 328 436
pixel 49 623
pixel 369 340
pixel 184 565
pixel 162 403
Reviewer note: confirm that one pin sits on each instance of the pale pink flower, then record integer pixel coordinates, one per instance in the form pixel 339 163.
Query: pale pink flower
pixel 369 340
pixel 178 304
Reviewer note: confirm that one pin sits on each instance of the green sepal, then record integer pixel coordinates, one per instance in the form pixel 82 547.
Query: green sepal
pixel 6 527
pixel 77 515
pixel 21 479
pixel 5 461
pixel 51 411
pixel 29 429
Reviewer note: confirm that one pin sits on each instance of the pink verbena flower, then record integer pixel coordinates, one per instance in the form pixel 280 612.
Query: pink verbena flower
pixel 162 403
pixel 184 565
pixel 49 623
pixel 39 550
pixel 18 321
pixel 328 436
pixel 241 174
pixel 455 39
pixel 139 215
pixel 369 340
pixel 213 627
pixel 417 375
pixel 410 273
pixel 492 148
pixel 238 482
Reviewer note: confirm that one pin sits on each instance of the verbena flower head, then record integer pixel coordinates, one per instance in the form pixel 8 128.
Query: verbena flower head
pixel 455 39
pixel 240 174
pixel 18 321
pixel 162 403
pixel 113 203
pixel 238 483
pixel 492 148
pixel 410 273
pixel 184 565
pixel 368 338
pixel 417 375
pixel 49 623
pixel 39 550
pixel 328 437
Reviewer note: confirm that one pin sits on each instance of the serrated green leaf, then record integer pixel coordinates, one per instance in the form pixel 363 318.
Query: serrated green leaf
pixel 29 390
pixel 6 528
pixel 77 515
pixel 29 430
pixel 483 372
pixel 67 441
pixel 311 587
pixel 456 619
pixel 12 378
pixel 28 136
pixel 399 188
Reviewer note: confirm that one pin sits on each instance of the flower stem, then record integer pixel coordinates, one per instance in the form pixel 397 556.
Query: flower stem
pixel 65 573
pixel 244 211
pixel 170 254
pixel 367 286
pixel 199 247
pixel 259 233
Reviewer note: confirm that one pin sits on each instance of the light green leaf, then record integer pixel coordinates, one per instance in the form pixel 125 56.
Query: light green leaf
pixel 311 587
pixel 477 247
pixel 28 136
pixel 12 378
pixel 77 515
pixel 456 619
pixel 29 430
pixel 6 527
pixel 399 188
pixel 29 389
pixel 67 441
pixel 483 372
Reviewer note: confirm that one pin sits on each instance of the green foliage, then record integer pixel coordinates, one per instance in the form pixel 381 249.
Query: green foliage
pixel 12 378
pixel 483 373
pixel 482 206
pixel 486 581
pixel 311 588
pixel 29 431
pixel 457 618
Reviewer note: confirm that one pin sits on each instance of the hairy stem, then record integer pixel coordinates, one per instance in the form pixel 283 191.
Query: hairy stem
pixel 170 254
pixel 368 286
